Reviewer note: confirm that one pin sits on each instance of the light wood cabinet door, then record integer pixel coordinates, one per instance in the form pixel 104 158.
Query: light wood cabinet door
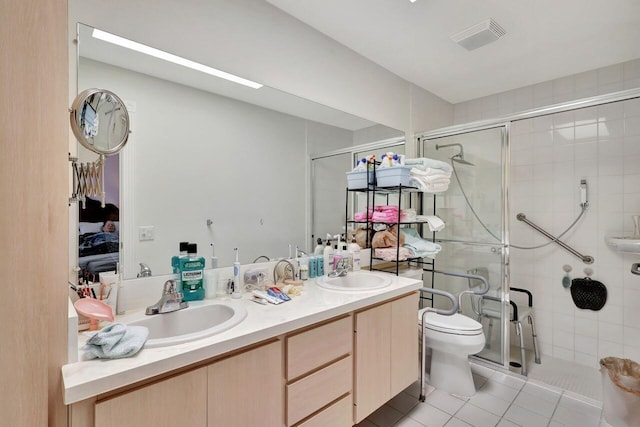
pixel 247 389
pixel 176 401
pixel 372 341
pixel 404 343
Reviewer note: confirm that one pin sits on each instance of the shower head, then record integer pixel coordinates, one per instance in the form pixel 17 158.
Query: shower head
pixel 459 158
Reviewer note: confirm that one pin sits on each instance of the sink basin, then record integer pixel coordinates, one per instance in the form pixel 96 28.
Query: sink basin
pixel 625 243
pixel 360 281
pixel 199 320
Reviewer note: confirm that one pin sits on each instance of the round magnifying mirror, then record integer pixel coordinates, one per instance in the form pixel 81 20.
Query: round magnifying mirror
pixel 100 121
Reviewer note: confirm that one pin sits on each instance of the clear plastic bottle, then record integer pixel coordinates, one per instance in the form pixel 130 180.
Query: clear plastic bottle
pixel 354 255
pixel 328 256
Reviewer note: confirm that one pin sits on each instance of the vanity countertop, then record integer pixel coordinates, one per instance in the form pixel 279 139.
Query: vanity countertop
pixel 85 379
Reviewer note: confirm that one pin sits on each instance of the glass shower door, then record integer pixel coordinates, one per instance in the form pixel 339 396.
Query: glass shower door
pixel 473 240
pixel 328 183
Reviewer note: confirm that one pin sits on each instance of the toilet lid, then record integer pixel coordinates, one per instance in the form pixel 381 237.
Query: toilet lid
pixel 455 324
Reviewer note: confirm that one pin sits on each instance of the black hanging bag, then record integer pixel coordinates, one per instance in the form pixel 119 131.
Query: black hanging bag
pixel 588 294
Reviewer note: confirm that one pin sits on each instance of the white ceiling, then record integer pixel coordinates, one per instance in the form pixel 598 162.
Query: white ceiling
pixel 545 39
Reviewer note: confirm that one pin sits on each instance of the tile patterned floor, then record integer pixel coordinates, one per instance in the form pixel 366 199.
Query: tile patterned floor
pixel 501 400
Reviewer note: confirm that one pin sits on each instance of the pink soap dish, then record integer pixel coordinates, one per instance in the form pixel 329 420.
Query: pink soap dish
pixel 95 310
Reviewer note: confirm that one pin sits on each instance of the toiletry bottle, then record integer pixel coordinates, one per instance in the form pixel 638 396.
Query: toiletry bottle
pixel 304 268
pixel 192 274
pixel 319 250
pixel 328 256
pixel 338 253
pixel 319 265
pixel 354 255
pixel 313 267
pixel 337 256
pixel 237 292
pixel 214 258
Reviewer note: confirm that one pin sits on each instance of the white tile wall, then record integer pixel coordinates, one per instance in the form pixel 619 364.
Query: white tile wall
pixel 549 156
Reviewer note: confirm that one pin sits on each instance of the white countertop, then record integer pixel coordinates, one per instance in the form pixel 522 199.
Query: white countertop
pixel 85 379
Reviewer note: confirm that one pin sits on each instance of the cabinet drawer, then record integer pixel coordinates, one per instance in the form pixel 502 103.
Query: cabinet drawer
pixel 314 391
pixel 308 350
pixel 339 414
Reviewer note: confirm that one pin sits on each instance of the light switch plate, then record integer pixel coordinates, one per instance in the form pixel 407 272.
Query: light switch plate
pixel 145 233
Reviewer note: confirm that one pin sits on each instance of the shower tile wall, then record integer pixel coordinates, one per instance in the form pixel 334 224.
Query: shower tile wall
pixel 549 156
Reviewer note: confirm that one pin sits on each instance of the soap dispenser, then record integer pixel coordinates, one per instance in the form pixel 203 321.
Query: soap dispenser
pixel 339 252
pixel 354 255
pixel 328 256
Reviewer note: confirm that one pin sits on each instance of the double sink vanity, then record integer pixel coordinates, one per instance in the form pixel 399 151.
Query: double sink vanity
pixel 329 357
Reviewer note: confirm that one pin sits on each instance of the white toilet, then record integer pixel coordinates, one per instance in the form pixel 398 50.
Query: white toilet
pixel 451 340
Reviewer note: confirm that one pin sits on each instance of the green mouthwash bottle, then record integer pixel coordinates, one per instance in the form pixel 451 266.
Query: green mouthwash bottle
pixel 191 274
pixel 175 265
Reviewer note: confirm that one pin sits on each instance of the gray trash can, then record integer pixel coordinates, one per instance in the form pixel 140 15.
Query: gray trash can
pixel 621 391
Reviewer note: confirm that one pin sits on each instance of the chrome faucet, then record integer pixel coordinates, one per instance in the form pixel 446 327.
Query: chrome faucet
pixel 145 271
pixel 171 300
pixel 288 271
pixel 341 269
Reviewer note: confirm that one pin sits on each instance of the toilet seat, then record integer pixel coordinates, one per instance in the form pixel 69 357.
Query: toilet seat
pixel 457 324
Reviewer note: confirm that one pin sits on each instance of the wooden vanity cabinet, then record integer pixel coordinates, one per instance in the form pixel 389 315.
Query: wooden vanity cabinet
pixel 246 389
pixel 179 400
pixel 334 373
pixel 386 353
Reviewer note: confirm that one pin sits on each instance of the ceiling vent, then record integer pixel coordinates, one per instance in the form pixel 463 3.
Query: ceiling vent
pixel 479 35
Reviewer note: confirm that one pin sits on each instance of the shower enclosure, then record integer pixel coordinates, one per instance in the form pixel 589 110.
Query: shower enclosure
pixel 475 238
pixel 552 152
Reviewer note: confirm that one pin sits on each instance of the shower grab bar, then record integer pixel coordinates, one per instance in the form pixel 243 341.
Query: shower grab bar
pixel 455 306
pixel 587 259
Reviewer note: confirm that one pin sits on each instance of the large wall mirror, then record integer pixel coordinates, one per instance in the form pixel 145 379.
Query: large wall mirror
pixel 208 161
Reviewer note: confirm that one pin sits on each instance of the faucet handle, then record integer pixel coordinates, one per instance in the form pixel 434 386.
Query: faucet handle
pixel 343 263
pixel 169 287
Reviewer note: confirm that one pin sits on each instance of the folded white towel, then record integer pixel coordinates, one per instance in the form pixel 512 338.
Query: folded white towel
pixel 431 173
pixel 436 187
pixel 408 215
pixel 115 341
pixel 425 162
pixel 432 179
pixel 428 187
pixel 435 223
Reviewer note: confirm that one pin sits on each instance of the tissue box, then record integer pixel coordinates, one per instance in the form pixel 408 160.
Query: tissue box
pixel 393 176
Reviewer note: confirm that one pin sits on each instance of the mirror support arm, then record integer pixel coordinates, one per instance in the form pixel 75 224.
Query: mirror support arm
pixel 88 180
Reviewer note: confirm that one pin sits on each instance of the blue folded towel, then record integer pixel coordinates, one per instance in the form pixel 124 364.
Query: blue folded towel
pixel 116 341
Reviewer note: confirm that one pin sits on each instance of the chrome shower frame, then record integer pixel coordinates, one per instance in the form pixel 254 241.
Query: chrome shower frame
pixel 505 122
